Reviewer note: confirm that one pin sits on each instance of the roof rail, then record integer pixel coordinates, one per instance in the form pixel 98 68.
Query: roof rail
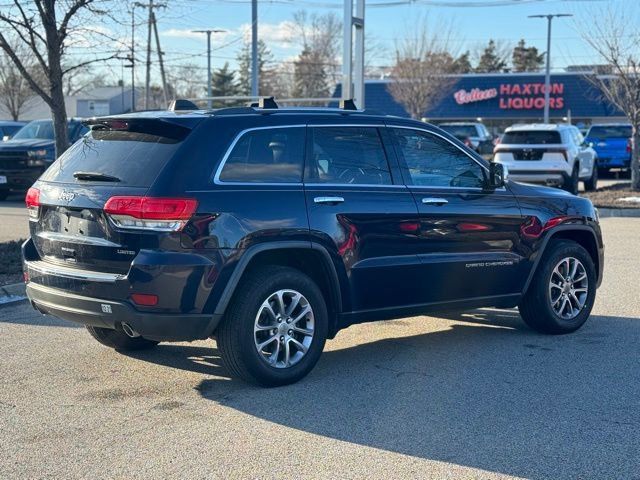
pixel 182 104
pixel 265 102
pixel 347 104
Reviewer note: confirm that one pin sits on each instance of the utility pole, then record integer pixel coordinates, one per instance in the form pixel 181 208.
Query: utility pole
pixel 209 32
pixel 160 53
pixel 148 78
pixel 133 59
pixel 254 48
pixel 547 78
pixel 347 51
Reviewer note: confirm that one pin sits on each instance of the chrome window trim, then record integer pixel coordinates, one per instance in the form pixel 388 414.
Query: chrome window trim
pixel 217 181
pixel 216 177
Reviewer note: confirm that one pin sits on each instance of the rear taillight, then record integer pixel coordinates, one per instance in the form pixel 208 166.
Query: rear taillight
pixel 149 213
pixel 33 203
pixel 629 146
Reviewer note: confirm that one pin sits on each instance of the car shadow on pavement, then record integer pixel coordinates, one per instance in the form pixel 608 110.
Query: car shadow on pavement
pixel 485 392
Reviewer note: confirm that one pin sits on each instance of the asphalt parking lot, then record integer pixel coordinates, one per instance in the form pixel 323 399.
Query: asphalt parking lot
pixel 474 395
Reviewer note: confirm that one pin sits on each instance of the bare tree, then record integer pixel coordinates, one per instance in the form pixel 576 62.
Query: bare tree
pixel 615 39
pixel 189 80
pixel 421 74
pixel 316 69
pixel 48 29
pixel 15 92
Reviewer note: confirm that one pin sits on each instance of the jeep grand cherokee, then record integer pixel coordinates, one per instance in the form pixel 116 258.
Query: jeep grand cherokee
pixel 272 229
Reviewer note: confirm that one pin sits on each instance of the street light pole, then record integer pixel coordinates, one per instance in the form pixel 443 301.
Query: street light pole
pixel 254 49
pixel 547 78
pixel 209 32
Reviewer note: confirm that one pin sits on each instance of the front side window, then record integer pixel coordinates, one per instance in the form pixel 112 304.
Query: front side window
pixel 347 156
pixel 434 162
pixel 271 155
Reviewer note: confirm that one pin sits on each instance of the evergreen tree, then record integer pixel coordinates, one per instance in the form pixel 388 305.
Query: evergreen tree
pixel 309 75
pixel 462 64
pixel 491 60
pixel 244 69
pixel 223 82
pixel 526 59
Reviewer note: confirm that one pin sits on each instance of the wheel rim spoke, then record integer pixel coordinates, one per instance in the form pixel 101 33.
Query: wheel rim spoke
pixel 568 288
pixel 284 328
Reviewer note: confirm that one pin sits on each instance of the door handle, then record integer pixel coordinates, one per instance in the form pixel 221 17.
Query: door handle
pixel 328 200
pixel 434 201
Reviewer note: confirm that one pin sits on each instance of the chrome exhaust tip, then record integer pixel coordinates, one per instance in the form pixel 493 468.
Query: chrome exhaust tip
pixel 126 328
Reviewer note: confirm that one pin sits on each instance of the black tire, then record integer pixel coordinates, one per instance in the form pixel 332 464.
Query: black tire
pixel 591 184
pixel 235 336
pixel 535 307
pixel 571 184
pixel 119 340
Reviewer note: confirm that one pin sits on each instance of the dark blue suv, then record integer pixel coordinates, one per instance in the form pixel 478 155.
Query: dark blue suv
pixel 272 229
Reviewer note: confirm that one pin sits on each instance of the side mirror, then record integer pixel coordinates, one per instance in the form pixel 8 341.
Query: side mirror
pixel 497 175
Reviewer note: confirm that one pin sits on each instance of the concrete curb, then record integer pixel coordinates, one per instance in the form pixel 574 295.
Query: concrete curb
pixel 12 293
pixel 618 212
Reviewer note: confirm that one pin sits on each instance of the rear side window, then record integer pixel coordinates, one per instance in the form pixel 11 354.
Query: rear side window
pixel 347 156
pixel 133 151
pixel 271 155
pixel 610 132
pixel 531 137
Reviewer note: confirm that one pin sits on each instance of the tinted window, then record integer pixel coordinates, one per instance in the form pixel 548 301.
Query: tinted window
pixel 610 132
pixel 532 137
pixel 42 129
pixel 273 155
pixel 9 130
pixel 434 162
pixel 348 155
pixel 460 131
pixel 133 152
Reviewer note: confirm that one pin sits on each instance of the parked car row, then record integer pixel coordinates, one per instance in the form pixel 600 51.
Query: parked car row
pixel 559 155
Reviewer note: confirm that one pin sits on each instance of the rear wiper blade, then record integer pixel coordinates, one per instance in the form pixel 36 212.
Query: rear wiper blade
pixel 97 176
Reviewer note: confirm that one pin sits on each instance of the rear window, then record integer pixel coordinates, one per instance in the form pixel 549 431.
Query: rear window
pixel 619 131
pixel 133 152
pixel 532 137
pixel 460 131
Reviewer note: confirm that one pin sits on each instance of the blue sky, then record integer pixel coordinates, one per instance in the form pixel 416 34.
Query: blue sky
pixel 472 26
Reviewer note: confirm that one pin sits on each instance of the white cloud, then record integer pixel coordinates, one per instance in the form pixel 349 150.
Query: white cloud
pixel 275 35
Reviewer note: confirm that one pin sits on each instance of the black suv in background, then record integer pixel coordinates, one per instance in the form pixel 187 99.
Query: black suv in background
pixel 25 156
pixel 272 229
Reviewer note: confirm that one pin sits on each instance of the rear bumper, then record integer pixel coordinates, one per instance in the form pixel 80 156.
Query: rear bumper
pixel 614 162
pixel 546 177
pixel 110 314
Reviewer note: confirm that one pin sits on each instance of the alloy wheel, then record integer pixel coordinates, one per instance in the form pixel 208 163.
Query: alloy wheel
pixel 568 288
pixel 283 328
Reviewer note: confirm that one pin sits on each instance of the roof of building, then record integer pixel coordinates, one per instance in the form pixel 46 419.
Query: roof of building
pixel 102 93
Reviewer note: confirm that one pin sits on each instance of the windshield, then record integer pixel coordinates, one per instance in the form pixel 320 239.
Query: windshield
pixel 42 129
pixel 618 131
pixel 531 137
pixel 460 131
